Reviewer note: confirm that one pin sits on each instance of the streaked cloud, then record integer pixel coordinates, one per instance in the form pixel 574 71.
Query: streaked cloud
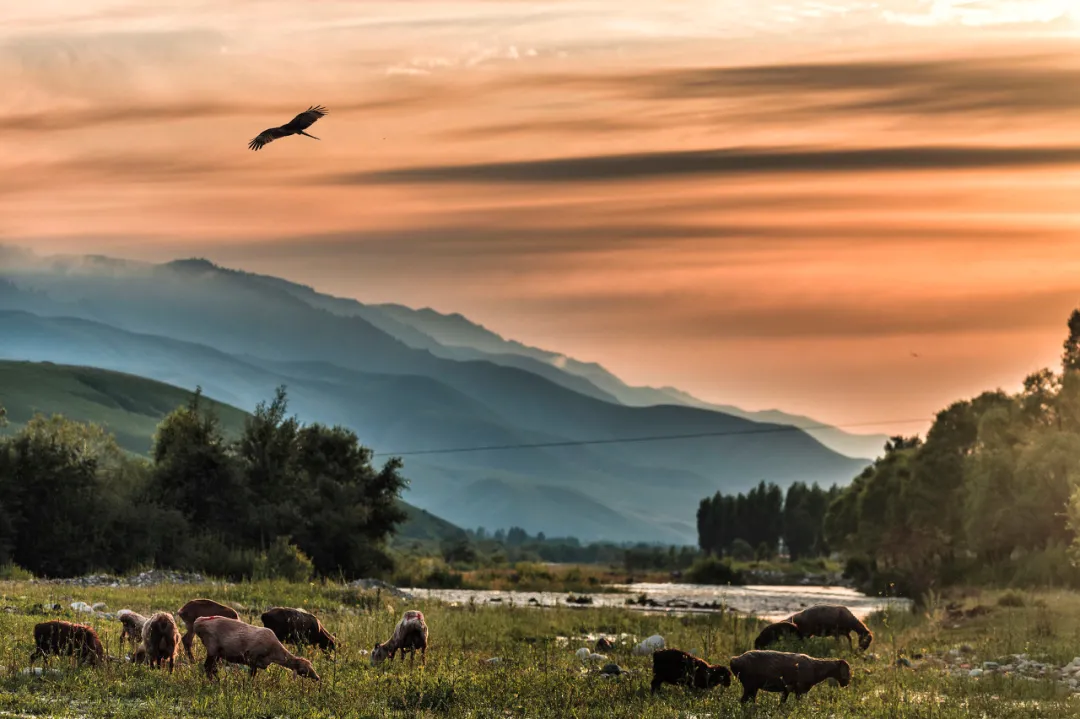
pixel 728 162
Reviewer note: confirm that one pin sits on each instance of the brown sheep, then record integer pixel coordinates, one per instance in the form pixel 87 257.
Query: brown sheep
pixel 775 632
pixel 785 672
pixel 132 624
pixel 200 608
pixel 831 620
pixel 410 634
pixel 674 666
pixel 240 643
pixel 65 638
pixel 161 640
pixel 295 626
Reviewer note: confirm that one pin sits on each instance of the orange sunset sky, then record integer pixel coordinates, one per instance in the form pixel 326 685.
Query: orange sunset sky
pixel 765 204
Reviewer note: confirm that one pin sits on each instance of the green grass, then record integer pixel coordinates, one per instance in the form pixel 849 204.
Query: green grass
pixel 539 676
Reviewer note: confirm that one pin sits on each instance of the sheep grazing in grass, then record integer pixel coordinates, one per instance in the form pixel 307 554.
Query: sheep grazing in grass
pixel 295 626
pixel 765 670
pixel 132 624
pixel 66 638
pixel 200 608
pixel 240 643
pixel 161 641
pixel 831 620
pixel 674 666
pixel 410 634
pixel 775 632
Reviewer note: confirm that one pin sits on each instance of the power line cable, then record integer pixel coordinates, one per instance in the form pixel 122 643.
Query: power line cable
pixel 648 438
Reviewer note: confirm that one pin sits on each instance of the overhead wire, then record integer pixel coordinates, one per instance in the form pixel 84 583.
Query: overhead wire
pixel 646 438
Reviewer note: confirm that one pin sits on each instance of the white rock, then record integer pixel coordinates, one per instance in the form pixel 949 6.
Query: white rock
pixel 597 658
pixel 975 673
pixel 82 607
pixel 583 653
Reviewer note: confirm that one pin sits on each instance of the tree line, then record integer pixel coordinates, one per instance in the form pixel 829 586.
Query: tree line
pixel 991 495
pixel 284 499
pixel 751 525
pixel 992 492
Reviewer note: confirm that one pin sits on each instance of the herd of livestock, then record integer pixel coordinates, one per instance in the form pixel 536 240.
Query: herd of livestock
pixel 156 640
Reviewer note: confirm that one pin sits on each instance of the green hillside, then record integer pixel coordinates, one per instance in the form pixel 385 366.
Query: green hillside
pixel 131 407
pixel 127 405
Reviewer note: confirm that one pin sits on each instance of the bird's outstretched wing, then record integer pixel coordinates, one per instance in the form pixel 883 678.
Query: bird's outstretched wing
pixel 268 136
pixel 306 118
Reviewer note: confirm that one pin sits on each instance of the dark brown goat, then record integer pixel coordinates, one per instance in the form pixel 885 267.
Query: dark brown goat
pixel 831 620
pixel 775 632
pixel 674 666
pixel 765 670
pixel 200 608
pixel 65 638
pixel 161 641
pixel 295 626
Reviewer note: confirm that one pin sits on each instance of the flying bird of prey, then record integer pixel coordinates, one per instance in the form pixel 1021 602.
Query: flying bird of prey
pixel 296 126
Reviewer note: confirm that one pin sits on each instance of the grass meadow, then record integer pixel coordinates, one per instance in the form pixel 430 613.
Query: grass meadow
pixel 539 674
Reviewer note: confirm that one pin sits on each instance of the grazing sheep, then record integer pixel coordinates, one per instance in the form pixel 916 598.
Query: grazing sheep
pixel 240 643
pixel 831 620
pixel 785 672
pixel 674 666
pixel 649 645
pixel 410 634
pixel 132 624
pixel 161 640
pixel 295 626
pixel 200 608
pixel 776 632
pixel 66 638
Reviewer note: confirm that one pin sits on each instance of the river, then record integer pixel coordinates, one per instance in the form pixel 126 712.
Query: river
pixel 771 603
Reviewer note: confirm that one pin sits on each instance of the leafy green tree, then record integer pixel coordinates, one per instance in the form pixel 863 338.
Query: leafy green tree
pixel 195 472
pixel 51 485
pixel 345 508
pixel 1070 357
pixel 268 452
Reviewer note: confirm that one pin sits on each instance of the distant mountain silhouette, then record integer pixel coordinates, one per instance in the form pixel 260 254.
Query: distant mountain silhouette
pixel 239 335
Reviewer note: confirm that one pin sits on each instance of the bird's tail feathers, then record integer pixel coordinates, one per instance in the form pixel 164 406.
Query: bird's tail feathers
pixel 307 135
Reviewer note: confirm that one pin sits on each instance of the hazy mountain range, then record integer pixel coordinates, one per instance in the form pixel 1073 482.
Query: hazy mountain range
pixel 415 380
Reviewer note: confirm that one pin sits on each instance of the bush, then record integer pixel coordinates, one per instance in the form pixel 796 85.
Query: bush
pixel 1011 599
pixel 741 551
pixel 211 556
pixel 712 570
pixel 14 573
pixel 283 560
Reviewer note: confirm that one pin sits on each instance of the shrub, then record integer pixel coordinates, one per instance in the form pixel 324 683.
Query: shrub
pixel 711 570
pixel 14 573
pixel 283 560
pixel 1011 599
pixel 741 551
